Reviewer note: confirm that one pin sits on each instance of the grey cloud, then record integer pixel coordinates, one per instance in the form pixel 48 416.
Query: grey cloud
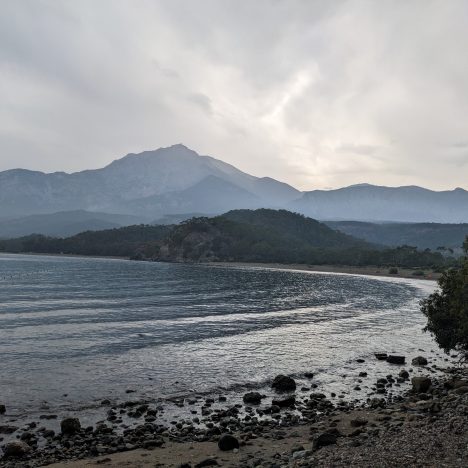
pixel 316 93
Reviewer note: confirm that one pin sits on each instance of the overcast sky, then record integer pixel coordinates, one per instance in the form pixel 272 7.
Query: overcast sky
pixel 320 94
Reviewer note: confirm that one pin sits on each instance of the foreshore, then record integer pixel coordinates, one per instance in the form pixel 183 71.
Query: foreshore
pixel 424 425
pixel 407 273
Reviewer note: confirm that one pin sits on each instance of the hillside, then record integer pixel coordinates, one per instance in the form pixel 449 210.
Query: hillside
pixel 279 236
pixel 264 235
pixel 421 235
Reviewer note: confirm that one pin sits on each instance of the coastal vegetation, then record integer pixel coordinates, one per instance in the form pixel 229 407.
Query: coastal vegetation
pixel 264 235
pixel 447 308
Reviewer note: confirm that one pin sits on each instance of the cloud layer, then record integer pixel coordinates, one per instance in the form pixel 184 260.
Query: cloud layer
pixel 317 93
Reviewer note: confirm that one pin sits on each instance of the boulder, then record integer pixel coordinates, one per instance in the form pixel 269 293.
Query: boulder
pixel 283 383
pixel 419 361
pixel 16 448
pixel 381 356
pixel 70 425
pixel 421 384
pixel 287 402
pixel 404 374
pixel 394 359
pixel 252 398
pixel 324 439
pixel 228 442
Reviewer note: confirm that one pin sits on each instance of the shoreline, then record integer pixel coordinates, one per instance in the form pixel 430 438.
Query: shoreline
pixel 402 430
pixel 405 273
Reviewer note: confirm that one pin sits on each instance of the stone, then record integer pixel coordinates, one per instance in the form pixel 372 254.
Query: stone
pixel 394 359
pixel 283 383
pixel 228 442
pixel 419 361
pixel 287 402
pixel 2 409
pixel 8 429
pixel 358 422
pixel 207 462
pixel 381 356
pixel 70 425
pixel 324 439
pixel 421 384
pixel 16 448
pixel 404 374
pixel 252 398
pixel 309 375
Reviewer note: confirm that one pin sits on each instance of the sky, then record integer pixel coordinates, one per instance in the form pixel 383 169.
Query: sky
pixel 319 94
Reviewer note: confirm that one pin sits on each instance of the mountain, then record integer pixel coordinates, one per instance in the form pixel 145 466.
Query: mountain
pixel 64 223
pixel 421 235
pixel 366 202
pixel 153 183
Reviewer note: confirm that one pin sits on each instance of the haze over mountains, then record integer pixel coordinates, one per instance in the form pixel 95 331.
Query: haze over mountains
pixel 177 181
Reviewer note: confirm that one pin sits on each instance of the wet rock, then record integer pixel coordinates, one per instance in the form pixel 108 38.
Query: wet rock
pixel 283 383
pixel 16 448
pixel 360 361
pixel 2 409
pixel 287 402
pixel 207 462
pixel 70 425
pixel 362 374
pixel 421 384
pixel 252 398
pixel 394 359
pixel 309 375
pixel 228 442
pixel 326 438
pixel 419 361
pixel 381 356
pixel 8 429
pixel 404 374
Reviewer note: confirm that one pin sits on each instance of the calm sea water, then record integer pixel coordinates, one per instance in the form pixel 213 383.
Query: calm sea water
pixel 76 330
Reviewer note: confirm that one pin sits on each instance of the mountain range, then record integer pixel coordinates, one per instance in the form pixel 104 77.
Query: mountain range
pixel 176 181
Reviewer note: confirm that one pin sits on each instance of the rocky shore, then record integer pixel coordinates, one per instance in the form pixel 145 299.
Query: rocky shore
pixel 426 425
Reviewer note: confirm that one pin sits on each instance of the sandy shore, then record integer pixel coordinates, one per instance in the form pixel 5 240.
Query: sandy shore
pixel 341 269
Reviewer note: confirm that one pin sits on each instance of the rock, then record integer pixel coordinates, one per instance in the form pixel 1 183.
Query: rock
pixel 358 422
pixel 287 402
pixel 70 425
pixel 228 442
pixel 16 448
pixel 421 384
pixel 252 398
pixel 309 375
pixel 8 429
pixel 404 374
pixel 381 356
pixel 2 409
pixel 324 439
pixel 283 383
pixel 207 462
pixel 362 374
pixel 394 359
pixel 360 361
pixel 419 361
pixel 152 443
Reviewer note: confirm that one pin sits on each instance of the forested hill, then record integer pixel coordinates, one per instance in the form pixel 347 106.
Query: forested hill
pixel 242 235
pixel 279 236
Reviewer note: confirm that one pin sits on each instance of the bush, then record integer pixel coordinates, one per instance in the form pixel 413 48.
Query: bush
pixel 393 271
pixel 447 309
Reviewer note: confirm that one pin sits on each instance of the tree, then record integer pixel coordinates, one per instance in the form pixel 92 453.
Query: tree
pixel 447 309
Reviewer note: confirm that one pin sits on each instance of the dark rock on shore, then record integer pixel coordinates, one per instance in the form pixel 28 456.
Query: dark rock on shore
pixel 394 359
pixel 252 398
pixel 421 384
pixel 419 361
pixel 70 425
pixel 283 383
pixel 381 356
pixel 287 402
pixel 228 442
pixel 2 409
pixel 324 439
pixel 17 448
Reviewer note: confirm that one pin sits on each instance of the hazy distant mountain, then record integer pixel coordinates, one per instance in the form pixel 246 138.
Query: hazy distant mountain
pixel 64 223
pixel 373 203
pixel 177 180
pixel 135 181
pixel 421 235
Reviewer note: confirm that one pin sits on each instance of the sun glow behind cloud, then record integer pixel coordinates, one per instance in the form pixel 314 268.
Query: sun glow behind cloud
pixel 319 94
